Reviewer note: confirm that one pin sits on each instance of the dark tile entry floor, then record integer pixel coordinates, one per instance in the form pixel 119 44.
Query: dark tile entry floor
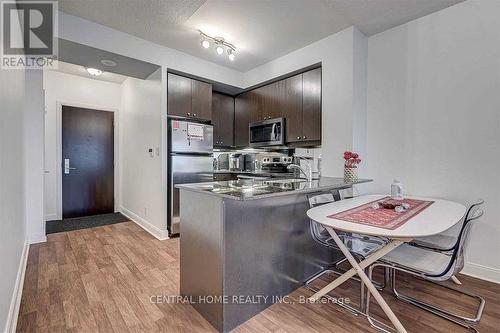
pixel 77 223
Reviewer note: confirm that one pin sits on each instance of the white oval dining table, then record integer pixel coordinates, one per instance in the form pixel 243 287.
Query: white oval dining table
pixel 436 218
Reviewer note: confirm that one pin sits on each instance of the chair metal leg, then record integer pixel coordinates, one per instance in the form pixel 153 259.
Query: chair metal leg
pixel 438 311
pixel 383 327
pixel 374 322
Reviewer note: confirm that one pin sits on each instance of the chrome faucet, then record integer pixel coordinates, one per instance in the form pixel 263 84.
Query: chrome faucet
pixel 307 174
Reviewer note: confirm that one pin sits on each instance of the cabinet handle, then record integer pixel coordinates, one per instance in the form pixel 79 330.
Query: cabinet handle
pixel 304 137
pixel 298 138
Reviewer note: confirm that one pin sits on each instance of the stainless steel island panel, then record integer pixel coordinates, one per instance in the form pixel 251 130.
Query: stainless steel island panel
pixel 268 252
pixel 201 252
pixel 245 248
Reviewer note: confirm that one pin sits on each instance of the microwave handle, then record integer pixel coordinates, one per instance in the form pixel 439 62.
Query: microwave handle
pixel 273 130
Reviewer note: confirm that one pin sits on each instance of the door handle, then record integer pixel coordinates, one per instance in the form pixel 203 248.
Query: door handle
pixel 274 133
pixel 67 168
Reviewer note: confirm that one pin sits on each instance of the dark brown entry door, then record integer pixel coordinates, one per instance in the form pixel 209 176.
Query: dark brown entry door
pixel 87 162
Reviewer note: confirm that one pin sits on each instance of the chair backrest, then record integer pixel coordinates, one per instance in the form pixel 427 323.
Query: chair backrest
pixel 347 193
pixel 318 232
pixel 468 215
pixel 457 260
pixel 463 239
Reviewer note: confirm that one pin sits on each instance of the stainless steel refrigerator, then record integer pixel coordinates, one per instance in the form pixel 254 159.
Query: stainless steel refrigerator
pixel 190 160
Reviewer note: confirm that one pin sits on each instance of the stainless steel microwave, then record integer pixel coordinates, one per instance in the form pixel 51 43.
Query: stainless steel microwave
pixel 269 132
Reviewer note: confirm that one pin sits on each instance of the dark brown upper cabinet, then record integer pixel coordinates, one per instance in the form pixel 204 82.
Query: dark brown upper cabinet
pixel 245 111
pixel 223 119
pixel 311 105
pixel 189 98
pixel 179 95
pixel 297 99
pixel 201 100
pixel 290 101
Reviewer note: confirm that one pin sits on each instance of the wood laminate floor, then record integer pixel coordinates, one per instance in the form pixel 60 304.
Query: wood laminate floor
pixel 102 279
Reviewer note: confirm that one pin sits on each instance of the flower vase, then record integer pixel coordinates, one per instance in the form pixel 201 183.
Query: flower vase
pixel 350 174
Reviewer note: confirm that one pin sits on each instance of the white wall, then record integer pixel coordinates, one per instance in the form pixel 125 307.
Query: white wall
pixel 142 196
pixel 341 88
pixel 12 205
pixel 434 115
pixel 34 136
pixel 70 90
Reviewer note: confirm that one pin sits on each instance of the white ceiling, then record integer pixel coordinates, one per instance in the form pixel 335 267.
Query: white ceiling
pixel 65 67
pixel 261 30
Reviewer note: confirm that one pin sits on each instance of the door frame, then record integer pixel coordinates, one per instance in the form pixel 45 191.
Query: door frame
pixel 116 145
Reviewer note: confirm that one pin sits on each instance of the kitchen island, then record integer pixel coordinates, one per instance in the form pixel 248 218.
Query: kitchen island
pixel 244 245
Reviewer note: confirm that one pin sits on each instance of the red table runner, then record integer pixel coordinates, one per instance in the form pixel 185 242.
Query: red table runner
pixel 382 217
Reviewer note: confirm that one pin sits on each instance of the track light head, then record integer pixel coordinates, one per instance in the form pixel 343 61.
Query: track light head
pixel 205 43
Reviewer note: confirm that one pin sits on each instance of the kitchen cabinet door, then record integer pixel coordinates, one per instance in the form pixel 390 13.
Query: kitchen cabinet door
pixel 201 100
pixel 269 99
pixel 242 118
pixel 179 95
pixel 223 119
pixel 311 109
pixel 290 97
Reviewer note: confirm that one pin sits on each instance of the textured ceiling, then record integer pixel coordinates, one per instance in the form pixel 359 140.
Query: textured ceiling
pixel 261 30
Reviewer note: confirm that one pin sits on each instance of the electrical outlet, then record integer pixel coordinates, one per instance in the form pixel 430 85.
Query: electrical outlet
pixel 157 151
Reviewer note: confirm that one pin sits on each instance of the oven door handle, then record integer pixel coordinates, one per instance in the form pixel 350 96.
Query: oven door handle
pixel 274 132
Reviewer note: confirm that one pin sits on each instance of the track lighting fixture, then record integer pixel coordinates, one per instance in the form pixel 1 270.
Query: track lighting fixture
pixel 220 45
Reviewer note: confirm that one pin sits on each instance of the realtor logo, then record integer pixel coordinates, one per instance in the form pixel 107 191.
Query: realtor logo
pixel 29 34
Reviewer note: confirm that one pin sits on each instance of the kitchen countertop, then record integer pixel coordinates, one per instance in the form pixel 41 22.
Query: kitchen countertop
pixel 249 189
pixel 257 173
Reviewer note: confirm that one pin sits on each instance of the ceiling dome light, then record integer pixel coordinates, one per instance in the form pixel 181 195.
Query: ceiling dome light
pixel 94 71
pixel 205 43
pixel 219 50
pixel 108 62
pixel 230 54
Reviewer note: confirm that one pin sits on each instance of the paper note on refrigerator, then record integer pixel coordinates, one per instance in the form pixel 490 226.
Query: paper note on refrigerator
pixel 195 130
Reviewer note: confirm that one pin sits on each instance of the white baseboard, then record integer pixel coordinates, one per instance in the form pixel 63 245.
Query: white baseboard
pixel 10 325
pixel 146 225
pixel 41 238
pixel 482 272
pixel 51 217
